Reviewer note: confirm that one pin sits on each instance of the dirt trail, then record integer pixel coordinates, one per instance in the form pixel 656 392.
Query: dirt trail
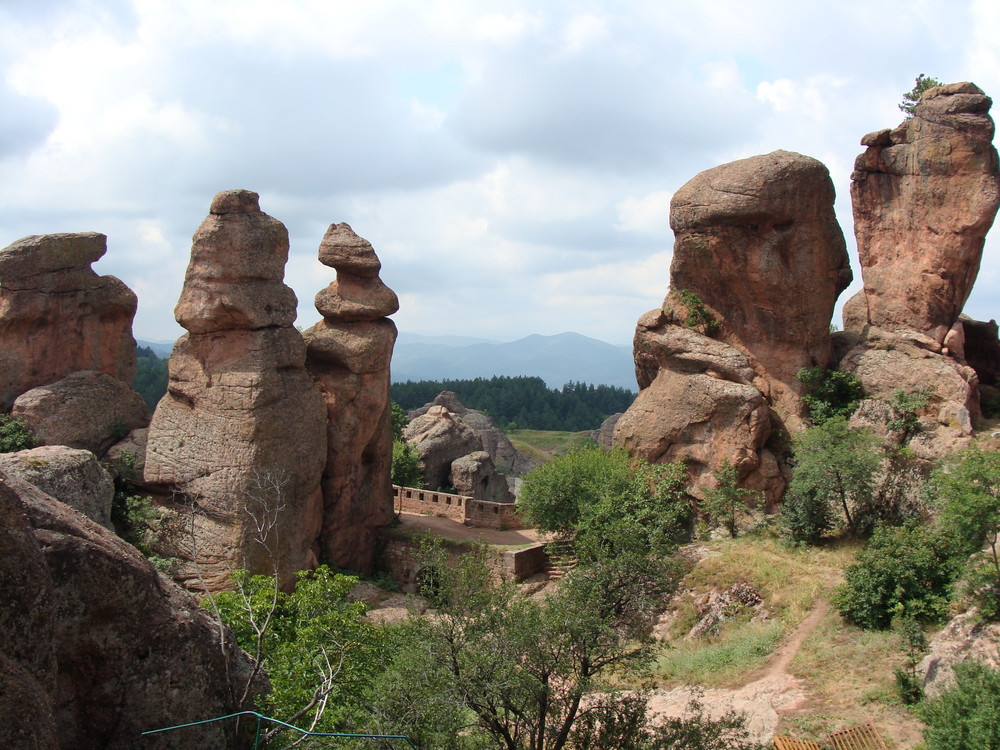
pixel 761 700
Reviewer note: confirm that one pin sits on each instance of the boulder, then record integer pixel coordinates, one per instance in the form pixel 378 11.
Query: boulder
pixel 474 475
pixel 348 356
pixel 982 349
pixel 965 637
pixel 89 410
pixel 925 194
pixel 439 437
pixel 57 316
pixel 760 257
pixel 506 458
pixel 70 475
pixel 113 647
pixel 604 435
pixel 238 443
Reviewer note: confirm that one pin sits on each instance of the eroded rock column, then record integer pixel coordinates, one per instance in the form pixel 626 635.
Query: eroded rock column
pixel 348 354
pixel 240 437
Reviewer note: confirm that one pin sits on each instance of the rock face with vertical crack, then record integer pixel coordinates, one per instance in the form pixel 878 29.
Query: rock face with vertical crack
pixel 348 355
pixel 57 316
pixel 240 436
pixel 924 195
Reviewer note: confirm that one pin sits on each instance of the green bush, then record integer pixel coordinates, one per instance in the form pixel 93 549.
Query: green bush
pixel 831 393
pixel 699 318
pixel 967 716
pixel 15 435
pixel 904 571
pixel 405 466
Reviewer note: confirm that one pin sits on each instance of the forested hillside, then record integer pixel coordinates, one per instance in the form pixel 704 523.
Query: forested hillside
pixel 524 402
pixel 150 379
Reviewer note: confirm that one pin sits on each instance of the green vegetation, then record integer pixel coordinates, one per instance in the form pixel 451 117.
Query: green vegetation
pixel 524 402
pixel 699 318
pixel 15 435
pixel 966 716
pixel 906 409
pixel 831 393
pixel 728 503
pixel 405 470
pixel 911 97
pixel 150 379
pixel 835 473
pixel 542 445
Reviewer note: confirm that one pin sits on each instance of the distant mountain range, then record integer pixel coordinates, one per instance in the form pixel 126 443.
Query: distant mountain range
pixel 556 359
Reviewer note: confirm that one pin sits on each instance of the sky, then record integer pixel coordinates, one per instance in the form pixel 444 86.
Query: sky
pixel 511 162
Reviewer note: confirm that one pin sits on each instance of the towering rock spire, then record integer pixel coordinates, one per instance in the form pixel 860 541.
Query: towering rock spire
pixel 241 431
pixel 348 355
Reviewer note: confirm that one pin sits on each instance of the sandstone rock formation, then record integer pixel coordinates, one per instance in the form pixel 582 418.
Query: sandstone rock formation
pixel 72 476
pixel 240 436
pixel 57 316
pixel 439 437
pixel 758 263
pixel 87 409
pixel 965 637
pixel 100 646
pixel 924 195
pixel 507 459
pixel 475 475
pixel 348 355
pixel 604 435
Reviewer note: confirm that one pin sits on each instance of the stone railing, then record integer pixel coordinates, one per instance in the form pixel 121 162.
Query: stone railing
pixel 461 508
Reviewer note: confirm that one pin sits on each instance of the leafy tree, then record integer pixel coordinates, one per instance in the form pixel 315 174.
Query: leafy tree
pixel 831 393
pixel 405 465
pixel 966 716
pixel 320 655
pixel 906 408
pixel 697 731
pixel 904 571
pixel 605 499
pixel 909 681
pixel 399 421
pixel 727 503
pixel 911 97
pixel 968 492
pixel 835 470
pixel 15 435
pixel 518 669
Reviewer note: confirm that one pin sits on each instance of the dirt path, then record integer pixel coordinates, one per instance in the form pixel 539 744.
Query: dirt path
pixel 777 691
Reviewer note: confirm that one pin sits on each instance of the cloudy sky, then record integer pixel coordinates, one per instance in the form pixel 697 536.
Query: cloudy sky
pixel 511 162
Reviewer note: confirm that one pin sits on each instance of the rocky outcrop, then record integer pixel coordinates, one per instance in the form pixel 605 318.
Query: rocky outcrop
pixel 73 477
pixel 57 316
pixel 439 437
pixel 239 440
pixel 348 355
pixel 965 637
pixel 474 475
pixel 507 459
pixel 99 646
pixel 88 410
pixel 604 435
pixel 981 348
pixel 758 263
pixel 924 195
pixel 758 243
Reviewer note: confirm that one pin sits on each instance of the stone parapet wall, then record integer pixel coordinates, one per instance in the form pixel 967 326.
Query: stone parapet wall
pixel 461 508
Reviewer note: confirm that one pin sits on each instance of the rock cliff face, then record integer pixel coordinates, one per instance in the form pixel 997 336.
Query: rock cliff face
pixel 95 645
pixel 348 355
pixel 924 195
pixel 57 316
pixel 759 261
pixel 241 431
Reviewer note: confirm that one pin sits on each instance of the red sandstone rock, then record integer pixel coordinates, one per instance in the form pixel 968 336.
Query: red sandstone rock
pixel 58 317
pixel 112 646
pixel 241 432
pixel 87 410
pixel 758 242
pixel 348 355
pixel 924 196
pixel 439 437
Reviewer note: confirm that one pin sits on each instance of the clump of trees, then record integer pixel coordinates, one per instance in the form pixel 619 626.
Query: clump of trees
pixel 524 402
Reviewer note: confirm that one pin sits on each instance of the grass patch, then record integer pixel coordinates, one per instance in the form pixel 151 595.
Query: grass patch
pixel 721 661
pixel 543 444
